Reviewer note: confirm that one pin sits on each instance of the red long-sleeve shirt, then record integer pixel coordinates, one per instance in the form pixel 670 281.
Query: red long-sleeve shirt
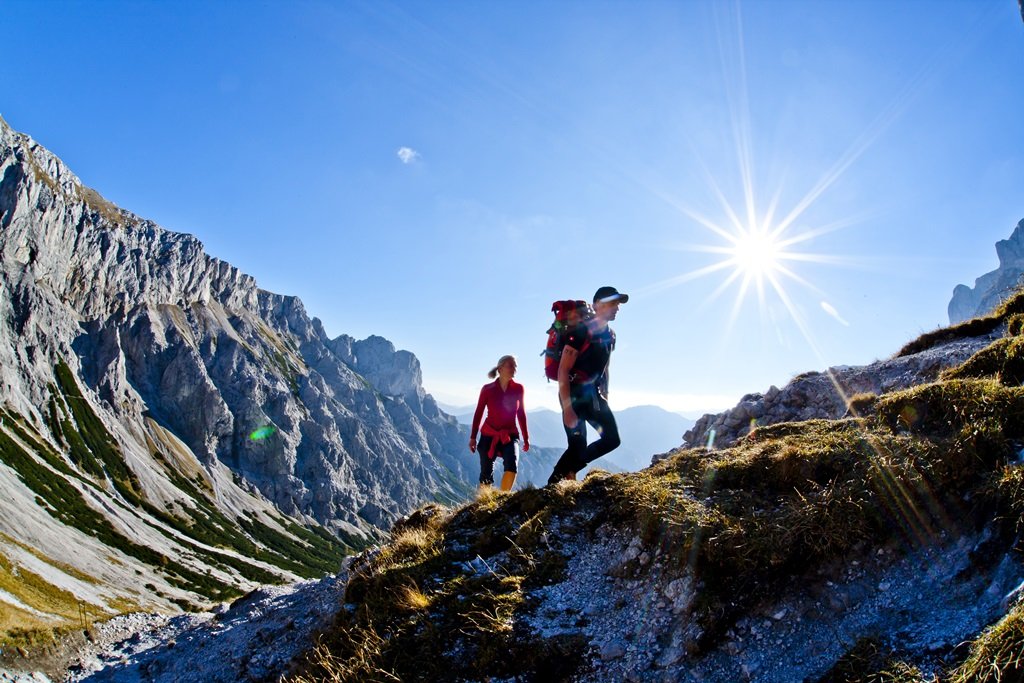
pixel 504 407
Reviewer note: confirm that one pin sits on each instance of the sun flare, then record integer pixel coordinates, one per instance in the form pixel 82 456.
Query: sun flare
pixel 757 258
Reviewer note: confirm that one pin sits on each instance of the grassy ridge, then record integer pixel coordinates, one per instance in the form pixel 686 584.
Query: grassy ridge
pixel 413 613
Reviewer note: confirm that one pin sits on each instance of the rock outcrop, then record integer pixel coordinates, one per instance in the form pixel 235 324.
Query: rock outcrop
pixel 992 288
pixel 826 395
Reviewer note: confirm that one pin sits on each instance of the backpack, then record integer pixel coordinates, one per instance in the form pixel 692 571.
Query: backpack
pixel 568 315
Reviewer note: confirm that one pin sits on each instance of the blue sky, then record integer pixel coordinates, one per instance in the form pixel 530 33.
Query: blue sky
pixel 438 173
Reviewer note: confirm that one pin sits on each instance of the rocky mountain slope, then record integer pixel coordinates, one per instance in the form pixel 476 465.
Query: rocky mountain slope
pixel 827 395
pixel 170 434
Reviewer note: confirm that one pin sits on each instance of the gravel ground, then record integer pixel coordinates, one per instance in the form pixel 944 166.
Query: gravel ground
pixel 253 639
pixel 634 609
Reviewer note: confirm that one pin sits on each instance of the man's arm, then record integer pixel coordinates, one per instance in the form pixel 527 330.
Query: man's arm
pixel 565 365
pixel 603 386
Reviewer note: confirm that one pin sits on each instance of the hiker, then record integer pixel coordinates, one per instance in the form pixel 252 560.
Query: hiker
pixel 583 387
pixel 503 399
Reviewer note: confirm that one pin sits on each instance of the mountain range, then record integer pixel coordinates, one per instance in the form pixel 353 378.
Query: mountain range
pixel 171 435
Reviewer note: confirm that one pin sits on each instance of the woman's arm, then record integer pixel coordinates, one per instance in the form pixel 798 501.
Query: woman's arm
pixel 521 416
pixel 477 416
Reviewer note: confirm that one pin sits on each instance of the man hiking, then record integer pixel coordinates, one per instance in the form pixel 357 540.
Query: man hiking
pixel 583 387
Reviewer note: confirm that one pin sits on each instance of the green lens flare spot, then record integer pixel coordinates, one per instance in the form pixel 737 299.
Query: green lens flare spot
pixel 262 433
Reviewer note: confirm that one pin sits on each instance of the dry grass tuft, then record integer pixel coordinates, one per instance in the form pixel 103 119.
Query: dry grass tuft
pixel 862 405
pixel 998 655
pixel 1009 313
pixel 412 599
pixel 359 662
pixel 869 661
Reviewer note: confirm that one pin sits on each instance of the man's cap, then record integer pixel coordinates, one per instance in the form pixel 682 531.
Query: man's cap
pixel 608 294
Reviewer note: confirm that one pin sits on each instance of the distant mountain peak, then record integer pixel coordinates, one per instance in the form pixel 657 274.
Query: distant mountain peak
pixel 994 287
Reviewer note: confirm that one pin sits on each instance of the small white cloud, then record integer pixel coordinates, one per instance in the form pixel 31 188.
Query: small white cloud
pixel 408 155
pixel 828 308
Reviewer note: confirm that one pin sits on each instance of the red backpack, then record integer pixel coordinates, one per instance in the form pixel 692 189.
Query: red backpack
pixel 568 314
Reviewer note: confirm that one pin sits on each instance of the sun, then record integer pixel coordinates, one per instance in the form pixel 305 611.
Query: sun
pixel 756 252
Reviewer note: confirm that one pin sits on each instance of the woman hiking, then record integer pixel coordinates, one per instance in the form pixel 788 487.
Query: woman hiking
pixel 503 399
